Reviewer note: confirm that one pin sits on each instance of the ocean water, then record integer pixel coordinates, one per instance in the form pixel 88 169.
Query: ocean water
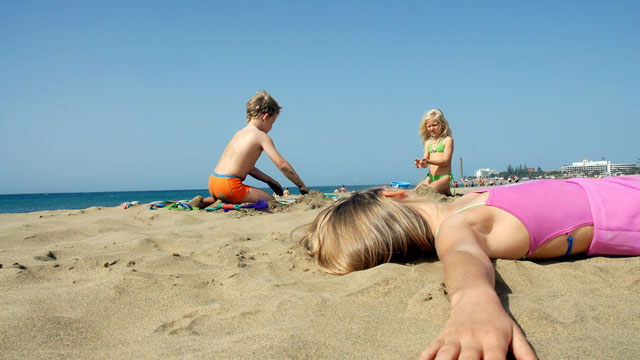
pixel 21 203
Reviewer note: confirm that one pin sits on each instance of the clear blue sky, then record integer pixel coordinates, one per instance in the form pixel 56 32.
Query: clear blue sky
pixel 144 95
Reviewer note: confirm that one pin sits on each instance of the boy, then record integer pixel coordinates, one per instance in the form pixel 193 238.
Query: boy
pixel 241 154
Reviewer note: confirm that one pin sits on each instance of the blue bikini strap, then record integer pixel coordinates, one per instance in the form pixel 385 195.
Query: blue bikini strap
pixel 570 240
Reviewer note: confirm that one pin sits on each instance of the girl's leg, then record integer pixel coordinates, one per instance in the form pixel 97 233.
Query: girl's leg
pixel 425 182
pixel 442 185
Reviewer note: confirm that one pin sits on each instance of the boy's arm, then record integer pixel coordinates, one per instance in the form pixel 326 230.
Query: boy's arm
pixel 273 184
pixel 283 165
pixel 448 153
pixel 479 327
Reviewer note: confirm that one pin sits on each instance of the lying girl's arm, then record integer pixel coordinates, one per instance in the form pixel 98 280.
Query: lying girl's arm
pixel 479 328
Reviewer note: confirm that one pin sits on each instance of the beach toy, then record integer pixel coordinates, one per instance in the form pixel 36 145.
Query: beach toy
pixel 172 205
pixel 261 204
pixel 227 207
pixel 181 205
pixel 159 204
pixel 213 208
pixel 286 201
pixel 169 204
pixel 400 184
pixel 129 204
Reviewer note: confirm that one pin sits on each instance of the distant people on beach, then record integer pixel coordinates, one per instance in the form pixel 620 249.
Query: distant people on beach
pixel 336 191
pixel 343 189
pixel 241 154
pixel 286 192
pixel 435 134
pixel 539 219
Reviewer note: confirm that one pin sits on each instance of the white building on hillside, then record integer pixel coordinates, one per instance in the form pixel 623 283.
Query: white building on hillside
pixel 483 173
pixel 587 167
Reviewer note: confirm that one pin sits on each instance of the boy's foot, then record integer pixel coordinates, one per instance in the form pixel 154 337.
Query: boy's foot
pixel 216 203
pixel 196 202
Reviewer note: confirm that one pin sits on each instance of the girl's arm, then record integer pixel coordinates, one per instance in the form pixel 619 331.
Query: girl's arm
pixel 479 327
pixel 422 163
pixel 448 153
pixel 426 151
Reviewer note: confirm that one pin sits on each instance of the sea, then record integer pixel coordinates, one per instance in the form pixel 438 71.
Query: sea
pixel 23 203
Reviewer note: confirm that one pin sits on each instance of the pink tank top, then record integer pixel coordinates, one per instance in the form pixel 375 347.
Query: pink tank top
pixel 547 208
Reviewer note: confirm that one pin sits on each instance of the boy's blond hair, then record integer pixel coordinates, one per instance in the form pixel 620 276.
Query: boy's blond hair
pixel 434 114
pixel 262 103
pixel 363 230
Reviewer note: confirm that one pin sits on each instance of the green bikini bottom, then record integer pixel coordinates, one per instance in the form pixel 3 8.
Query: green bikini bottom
pixel 436 177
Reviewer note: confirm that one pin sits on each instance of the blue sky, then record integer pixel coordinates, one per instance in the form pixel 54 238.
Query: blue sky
pixel 144 95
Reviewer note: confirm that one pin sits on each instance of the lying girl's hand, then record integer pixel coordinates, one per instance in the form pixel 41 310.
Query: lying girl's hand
pixel 483 331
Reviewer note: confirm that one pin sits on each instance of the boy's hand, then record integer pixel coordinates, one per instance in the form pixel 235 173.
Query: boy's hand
pixel 275 186
pixel 304 190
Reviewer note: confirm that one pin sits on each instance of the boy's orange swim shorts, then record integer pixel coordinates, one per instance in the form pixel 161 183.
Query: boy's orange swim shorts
pixel 228 188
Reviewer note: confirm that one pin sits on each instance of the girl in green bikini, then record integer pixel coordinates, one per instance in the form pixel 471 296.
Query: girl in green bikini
pixel 435 134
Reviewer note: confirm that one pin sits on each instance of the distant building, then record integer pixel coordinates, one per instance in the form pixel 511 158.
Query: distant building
pixel 623 168
pixel 587 167
pixel 483 173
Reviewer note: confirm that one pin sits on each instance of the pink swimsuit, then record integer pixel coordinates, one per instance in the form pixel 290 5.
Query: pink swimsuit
pixel 549 208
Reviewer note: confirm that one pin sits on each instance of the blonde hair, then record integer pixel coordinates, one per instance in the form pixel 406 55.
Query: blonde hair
pixel 434 114
pixel 262 103
pixel 363 230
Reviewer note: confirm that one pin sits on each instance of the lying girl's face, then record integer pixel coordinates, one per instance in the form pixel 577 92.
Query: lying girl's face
pixel 434 127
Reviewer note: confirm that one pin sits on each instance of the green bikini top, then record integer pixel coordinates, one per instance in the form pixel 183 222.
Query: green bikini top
pixel 439 147
pixel 459 211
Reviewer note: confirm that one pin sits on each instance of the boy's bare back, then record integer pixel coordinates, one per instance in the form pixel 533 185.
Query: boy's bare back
pixel 242 152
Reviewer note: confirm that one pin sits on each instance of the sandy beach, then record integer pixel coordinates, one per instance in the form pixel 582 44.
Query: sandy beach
pixel 105 283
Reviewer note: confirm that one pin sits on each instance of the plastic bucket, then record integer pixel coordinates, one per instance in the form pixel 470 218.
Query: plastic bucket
pixel 400 184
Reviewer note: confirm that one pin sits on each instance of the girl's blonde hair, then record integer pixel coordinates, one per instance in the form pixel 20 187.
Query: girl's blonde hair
pixel 363 230
pixel 434 114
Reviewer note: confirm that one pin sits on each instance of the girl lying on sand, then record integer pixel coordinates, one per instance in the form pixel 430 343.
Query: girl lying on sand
pixel 537 219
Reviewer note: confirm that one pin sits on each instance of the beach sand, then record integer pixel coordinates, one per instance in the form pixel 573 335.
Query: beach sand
pixel 105 283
